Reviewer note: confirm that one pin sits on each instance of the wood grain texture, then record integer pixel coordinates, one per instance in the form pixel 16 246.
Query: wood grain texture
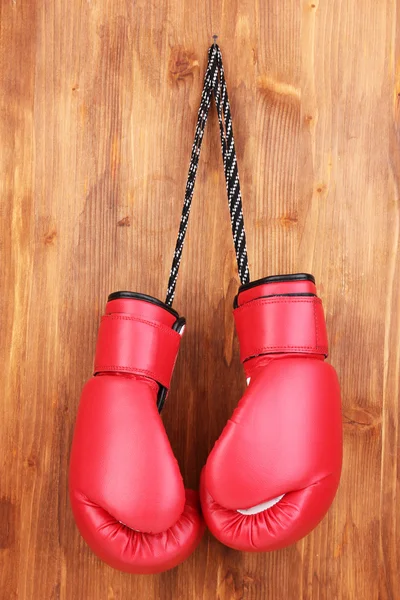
pixel 98 105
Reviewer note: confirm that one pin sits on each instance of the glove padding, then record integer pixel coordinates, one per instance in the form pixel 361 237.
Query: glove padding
pixel 126 489
pixel 274 471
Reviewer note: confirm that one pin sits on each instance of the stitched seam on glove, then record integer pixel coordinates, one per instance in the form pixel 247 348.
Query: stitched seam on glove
pixel 312 347
pixel 134 371
pixel 266 301
pixel 316 325
pixel 160 326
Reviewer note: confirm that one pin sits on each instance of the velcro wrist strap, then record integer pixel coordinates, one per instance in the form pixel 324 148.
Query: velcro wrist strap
pixel 281 324
pixel 138 346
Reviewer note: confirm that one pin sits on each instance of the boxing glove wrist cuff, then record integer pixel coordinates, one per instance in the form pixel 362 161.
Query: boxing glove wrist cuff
pixel 138 346
pixel 279 324
pixel 301 284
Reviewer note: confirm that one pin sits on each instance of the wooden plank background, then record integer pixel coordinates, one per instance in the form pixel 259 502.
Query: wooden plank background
pixel 98 107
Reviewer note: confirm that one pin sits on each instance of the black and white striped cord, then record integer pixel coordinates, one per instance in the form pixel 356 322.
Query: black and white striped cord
pixel 231 173
pixel 209 82
pixel 214 82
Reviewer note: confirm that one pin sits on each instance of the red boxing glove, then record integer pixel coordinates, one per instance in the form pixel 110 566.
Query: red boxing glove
pixel 275 469
pixel 126 489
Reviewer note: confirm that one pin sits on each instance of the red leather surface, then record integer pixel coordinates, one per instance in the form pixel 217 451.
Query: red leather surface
pixel 126 490
pixel 285 437
pixel 303 331
pixel 141 309
pixel 136 345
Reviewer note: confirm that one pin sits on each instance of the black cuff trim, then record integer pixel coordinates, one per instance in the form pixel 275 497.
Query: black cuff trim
pixel 144 298
pixel 278 279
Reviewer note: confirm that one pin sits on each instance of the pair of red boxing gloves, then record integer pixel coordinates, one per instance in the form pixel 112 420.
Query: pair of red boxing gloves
pixel 273 472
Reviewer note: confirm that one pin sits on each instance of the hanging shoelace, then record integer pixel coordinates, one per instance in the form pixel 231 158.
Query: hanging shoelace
pixel 214 83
